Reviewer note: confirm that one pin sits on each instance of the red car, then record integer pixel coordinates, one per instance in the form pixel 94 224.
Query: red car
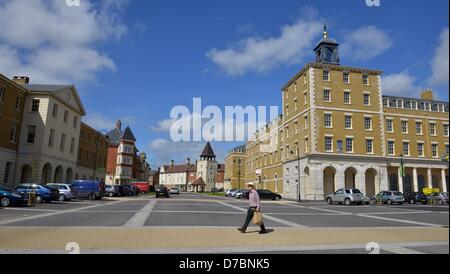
pixel 143 187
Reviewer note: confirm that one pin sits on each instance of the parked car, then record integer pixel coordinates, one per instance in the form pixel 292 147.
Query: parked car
pixel 439 198
pixel 143 187
pixel 121 191
pixel 92 190
pixel 131 190
pixel 162 191
pixel 389 197
pixel 111 191
pixel 43 194
pixel 269 195
pixel 241 193
pixel 348 196
pixel 66 193
pixel 237 193
pixel 8 197
pixel 416 197
pixel 230 192
pixel 175 190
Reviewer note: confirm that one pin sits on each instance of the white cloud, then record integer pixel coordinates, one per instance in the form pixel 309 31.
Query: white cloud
pixel 101 121
pixel 166 150
pixel 54 43
pixel 400 84
pixel 365 43
pixel 258 54
pixel 440 62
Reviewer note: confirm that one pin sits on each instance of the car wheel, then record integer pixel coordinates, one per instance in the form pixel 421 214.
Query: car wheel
pixel 39 199
pixel 92 197
pixel 373 202
pixel 5 202
pixel 348 202
pixel 412 201
pixel 111 194
pixel 62 197
pixel 389 202
pixel 440 202
pixel 329 201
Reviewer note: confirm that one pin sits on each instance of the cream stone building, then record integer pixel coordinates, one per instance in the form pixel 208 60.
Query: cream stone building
pixel 235 164
pixel 339 130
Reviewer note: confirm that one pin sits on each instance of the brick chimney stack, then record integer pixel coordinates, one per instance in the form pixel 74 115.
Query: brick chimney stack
pixel 21 80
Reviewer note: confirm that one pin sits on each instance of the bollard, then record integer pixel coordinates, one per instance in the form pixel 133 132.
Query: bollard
pixel 31 199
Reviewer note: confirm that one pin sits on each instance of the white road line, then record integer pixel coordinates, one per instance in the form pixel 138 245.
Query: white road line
pixel 27 218
pixel 265 216
pixel 322 209
pixel 400 250
pixel 142 215
pixel 399 220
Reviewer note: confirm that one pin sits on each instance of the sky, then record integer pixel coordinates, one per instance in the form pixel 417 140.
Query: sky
pixel 135 60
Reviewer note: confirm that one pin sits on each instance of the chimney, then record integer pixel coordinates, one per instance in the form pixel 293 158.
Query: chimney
pixel 119 125
pixel 21 80
pixel 172 162
pixel 427 94
pixel 188 161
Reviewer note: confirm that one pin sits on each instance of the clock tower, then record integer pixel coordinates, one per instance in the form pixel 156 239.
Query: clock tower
pixel 327 50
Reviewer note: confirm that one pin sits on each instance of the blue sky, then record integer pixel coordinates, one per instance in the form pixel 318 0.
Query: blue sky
pixel 136 59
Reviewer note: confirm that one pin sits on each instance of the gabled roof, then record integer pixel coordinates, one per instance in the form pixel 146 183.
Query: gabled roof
pixel 114 136
pixel 56 91
pixel 199 182
pixel 208 151
pixel 127 134
pixel 179 168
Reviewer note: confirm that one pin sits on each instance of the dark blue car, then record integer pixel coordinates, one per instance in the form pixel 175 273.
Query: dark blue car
pixel 43 194
pixel 10 198
pixel 93 190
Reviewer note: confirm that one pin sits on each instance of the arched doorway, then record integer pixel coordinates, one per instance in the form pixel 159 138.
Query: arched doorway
pixel 26 175
pixel 371 174
pixel 59 174
pixel 69 175
pixel 393 182
pixel 46 174
pixel 350 177
pixel 329 174
pixel 421 182
pixel 407 184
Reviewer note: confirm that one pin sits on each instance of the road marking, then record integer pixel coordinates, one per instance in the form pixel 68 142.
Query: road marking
pixel 400 250
pixel 265 216
pixel 198 211
pixel 139 219
pixel 322 209
pixel 398 220
pixel 399 213
pixel 27 218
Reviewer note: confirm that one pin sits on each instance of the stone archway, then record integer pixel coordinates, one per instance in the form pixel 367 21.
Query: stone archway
pixel 371 175
pixel 26 175
pixel 69 175
pixel 59 175
pixel 329 177
pixel 408 184
pixel 350 177
pixel 393 182
pixel 46 177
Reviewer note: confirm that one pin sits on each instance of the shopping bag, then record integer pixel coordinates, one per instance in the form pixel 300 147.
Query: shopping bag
pixel 257 218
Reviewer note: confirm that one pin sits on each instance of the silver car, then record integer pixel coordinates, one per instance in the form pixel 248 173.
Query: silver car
pixel 348 196
pixel 65 192
pixel 229 192
pixel 439 198
pixel 175 190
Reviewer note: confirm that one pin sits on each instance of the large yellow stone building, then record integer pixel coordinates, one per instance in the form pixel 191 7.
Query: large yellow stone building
pixel 338 130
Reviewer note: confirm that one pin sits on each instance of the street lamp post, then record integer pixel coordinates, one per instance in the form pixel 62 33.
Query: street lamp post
pixel 298 172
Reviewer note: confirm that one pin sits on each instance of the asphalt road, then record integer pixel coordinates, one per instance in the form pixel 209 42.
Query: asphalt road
pixel 195 211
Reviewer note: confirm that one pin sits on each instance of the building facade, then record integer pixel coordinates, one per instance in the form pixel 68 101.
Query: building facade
pixel 12 96
pixel 92 154
pixel 50 131
pixel 235 163
pixel 205 175
pixel 339 130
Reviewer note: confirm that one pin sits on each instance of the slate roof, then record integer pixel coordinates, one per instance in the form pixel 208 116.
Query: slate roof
pixel 127 134
pixel 114 136
pixel 46 88
pixel 208 151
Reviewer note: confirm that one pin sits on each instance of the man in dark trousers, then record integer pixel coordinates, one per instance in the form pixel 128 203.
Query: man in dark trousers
pixel 254 205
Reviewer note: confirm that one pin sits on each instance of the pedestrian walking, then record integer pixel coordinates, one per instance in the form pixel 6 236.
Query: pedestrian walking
pixel 254 206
